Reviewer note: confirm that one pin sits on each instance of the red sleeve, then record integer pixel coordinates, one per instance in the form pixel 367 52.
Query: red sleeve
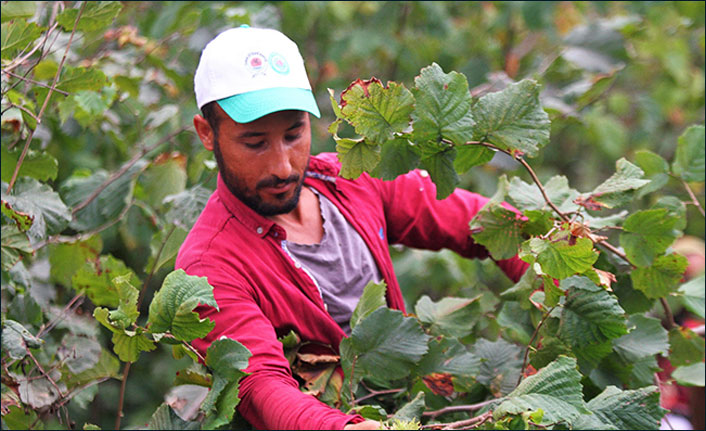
pixel 270 396
pixel 417 219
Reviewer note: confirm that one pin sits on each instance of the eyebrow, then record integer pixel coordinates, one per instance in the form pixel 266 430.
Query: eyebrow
pixel 244 135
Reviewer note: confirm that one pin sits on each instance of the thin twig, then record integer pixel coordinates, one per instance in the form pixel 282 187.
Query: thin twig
pixel 121 399
pixel 124 169
pixel 374 393
pixel 44 373
pixel 41 84
pixel 671 323
pixel 78 389
pixel 534 335
pixel 472 423
pixel 694 201
pixel 19 61
pixel 462 408
pixel 46 101
pixel 49 326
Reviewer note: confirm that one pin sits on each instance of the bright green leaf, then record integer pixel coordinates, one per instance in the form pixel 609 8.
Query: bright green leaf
pixel 685 347
pixel 23 221
pixel 356 156
pixel 690 157
pixel 67 258
pixel 128 346
pixel 647 234
pixel 660 279
pixel 14 245
pixel 453 317
pixel 127 312
pixel 172 308
pixel 38 165
pixel 227 357
pixel 560 259
pixel 95 278
pixel 95 16
pixel 166 176
pixel 18 36
pixel 617 190
pixel 373 297
pixel 693 295
pixel 498 229
pixel 647 337
pixel 513 119
pixel 18 9
pixel 443 106
pixel 529 197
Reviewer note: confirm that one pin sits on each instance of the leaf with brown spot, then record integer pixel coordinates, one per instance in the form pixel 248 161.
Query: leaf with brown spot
pixel 439 383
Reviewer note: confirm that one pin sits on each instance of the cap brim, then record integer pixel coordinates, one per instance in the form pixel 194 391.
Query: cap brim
pixel 247 107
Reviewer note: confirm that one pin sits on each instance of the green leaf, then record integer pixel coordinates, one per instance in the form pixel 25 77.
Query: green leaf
pixel 79 353
pixel 40 392
pixel 448 355
pixel 685 347
pixel 95 278
pixel 617 190
pixel 38 165
pixel 164 247
pixel 647 234
pixel 513 119
pixel 411 410
pixel 17 419
pixel 107 366
pixel 172 308
pixel 14 244
pixel 690 375
pixel 647 337
pixel 528 196
pixel 16 338
pixel 660 279
pixel 108 204
pixel 377 112
pixel 227 358
pixel 24 308
pixel 443 106
pixel 500 365
pixel 689 159
pixel 550 349
pixel 128 345
pixel 41 202
pixel 386 340
pixel 75 79
pixel 656 170
pixel 537 223
pixel 95 16
pixel 453 317
pixel 185 207
pixel 17 36
pixel 693 295
pixel 166 176
pixel 559 259
pixel 67 258
pixel 18 9
pixel 591 317
pixel 127 313
pixel 398 156
pixel 632 409
pixel 556 389
pixel 356 156
pixel 498 229
pixel 521 291
pixel 23 221
pixel 164 418
pixel 373 297
pixel 468 156
pixel 440 166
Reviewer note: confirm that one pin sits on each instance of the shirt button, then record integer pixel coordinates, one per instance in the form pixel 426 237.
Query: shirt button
pixel 259 230
pixel 276 234
pixel 298 265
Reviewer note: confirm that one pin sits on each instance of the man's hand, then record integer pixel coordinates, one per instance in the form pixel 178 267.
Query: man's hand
pixel 365 425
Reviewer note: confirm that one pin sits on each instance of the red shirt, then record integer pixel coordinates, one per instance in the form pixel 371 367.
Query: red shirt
pixel 263 295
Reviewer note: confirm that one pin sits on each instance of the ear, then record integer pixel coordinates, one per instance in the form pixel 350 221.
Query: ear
pixel 203 129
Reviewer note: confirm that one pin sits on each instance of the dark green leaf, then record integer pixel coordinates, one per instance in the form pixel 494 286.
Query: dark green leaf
pixel 185 207
pixel 443 106
pixel 18 36
pixel 411 410
pixel 96 16
pixel 166 176
pixel 591 317
pixel 647 337
pixel 16 338
pixel 172 308
pixel 498 229
pixel 38 165
pixel 32 197
pixel 660 279
pixel 107 366
pixel 441 169
pixel 448 355
pixel 227 358
pixel 468 156
pixel 373 297
pixel 398 157
pixel 500 365
pixel 453 317
pixel 538 222
pixel 685 347
pixel 14 244
pixel 634 409
pixel 513 119
pixel 647 234
pixel 690 157
pixel 165 246
pixel 356 156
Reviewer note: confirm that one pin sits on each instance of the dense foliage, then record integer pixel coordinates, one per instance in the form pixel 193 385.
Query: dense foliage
pixel 587 117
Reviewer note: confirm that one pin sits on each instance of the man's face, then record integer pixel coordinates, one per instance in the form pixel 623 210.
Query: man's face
pixel 263 162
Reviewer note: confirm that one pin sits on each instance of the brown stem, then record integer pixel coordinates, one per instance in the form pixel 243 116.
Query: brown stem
pixel 122 171
pixel 462 408
pixel 472 423
pixel 121 399
pixel 374 393
pixel 46 101
pixel 44 373
pixel 49 326
pixel 694 201
pixel 78 389
pixel 41 84
pixel 534 335
pixel 671 324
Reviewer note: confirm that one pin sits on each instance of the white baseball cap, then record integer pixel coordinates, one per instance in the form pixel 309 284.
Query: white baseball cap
pixel 252 72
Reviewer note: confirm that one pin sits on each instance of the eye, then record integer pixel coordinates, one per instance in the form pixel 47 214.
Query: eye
pixel 255 146
pixel 292 138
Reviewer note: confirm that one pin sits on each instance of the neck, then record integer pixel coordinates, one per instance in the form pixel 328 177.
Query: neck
pixel 303 224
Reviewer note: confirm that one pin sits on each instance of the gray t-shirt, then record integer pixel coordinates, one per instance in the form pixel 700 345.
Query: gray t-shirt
pixel 341 263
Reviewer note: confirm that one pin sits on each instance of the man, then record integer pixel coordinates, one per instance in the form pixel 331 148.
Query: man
pixel 285 242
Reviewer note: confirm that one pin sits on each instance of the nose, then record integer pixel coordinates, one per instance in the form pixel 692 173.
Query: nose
pixel 281 164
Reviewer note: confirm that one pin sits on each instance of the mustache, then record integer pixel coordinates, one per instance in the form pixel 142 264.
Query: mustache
pixel 277 182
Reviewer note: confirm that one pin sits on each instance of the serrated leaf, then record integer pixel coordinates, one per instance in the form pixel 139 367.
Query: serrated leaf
pixel 386 340
pixel 498 229
pixel 453 317
pixel 46 207
pixel 127 313
pixel 79 353
pixel 442 106
pixel 17 36
pixel 14 244
pixel 500 365
pixel 616 190
pixel 690 375
pixel 591 317
pixel 411 410
pixel 75 79
pixel 693 295
pixel 185 207
pixel 166 176
pixel 172 308
pixel 685 347
pixel 38 165
pixel 18 9
pixel 468 156
pixel 513 119
pixel 647 234
pixel 67 258
pixel 397 157
pixel 550 349
pixel 537 223
pixel 356 156
pixel 690 157
pixel 95 279
pixel 373 297
pixel 95 16
pixel 660 279
pixel 440 166
pixel 448 355
pixel 377 112
pixel 556 389
pixel 560 259
pixel 651 163
pixel 647 337
pixel 227 358
pixel 632 409
pixel 16 338
pixel 528 196
pixel 128 346
pixel 164 418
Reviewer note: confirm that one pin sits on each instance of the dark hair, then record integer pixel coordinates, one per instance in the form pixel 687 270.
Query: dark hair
pixel 208 111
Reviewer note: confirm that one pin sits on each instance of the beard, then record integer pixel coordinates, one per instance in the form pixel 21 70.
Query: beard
pixel 251 198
